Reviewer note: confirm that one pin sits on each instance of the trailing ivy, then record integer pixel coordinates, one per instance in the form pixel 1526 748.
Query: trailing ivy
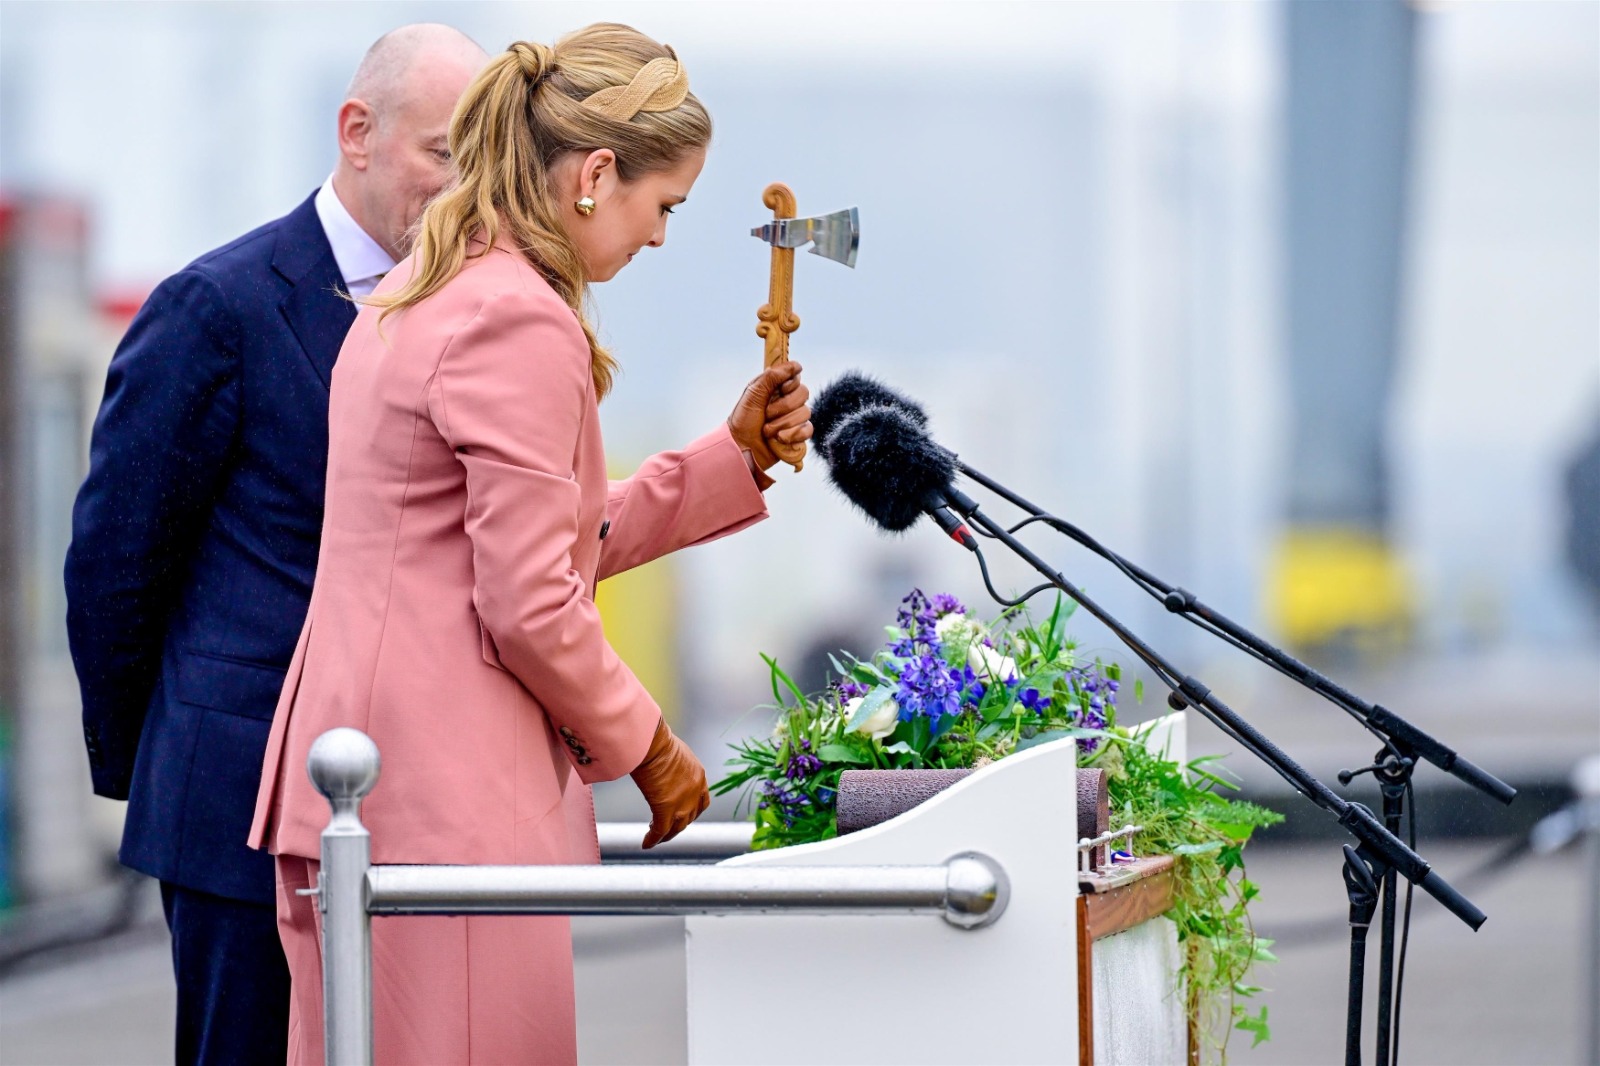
pixel 1182 814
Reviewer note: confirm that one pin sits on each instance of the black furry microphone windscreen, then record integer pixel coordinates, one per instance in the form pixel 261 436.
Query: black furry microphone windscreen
pixel 885 463
pixel 850 393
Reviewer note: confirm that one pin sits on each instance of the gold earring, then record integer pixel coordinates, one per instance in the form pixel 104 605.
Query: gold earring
pixel 585 206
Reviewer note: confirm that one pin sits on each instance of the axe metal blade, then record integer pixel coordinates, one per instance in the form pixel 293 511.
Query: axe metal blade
pixel 836 236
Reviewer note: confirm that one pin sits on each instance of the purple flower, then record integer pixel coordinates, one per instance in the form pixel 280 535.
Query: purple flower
pixel 849 690
pixel 1033 701
pixel 1089 720
pixel 905 647
pixel 943 603
pixel 915 612
pixel 802 766
pixel 970 685
pixel 928 688
pixel 916 621
pixel 789 804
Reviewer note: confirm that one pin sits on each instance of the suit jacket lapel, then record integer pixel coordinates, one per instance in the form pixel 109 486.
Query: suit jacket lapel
pixel 315 307
pixel 320 316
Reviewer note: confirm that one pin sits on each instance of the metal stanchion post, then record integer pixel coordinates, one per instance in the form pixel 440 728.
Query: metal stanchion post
pixel 344 767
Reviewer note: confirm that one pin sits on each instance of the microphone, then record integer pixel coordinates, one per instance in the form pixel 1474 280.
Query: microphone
pixel 883 461
pixel 850 393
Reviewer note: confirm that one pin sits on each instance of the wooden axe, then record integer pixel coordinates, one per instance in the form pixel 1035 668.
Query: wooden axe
pixel 835 236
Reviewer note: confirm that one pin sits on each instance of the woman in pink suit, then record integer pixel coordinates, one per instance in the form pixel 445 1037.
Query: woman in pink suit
pixel 468 520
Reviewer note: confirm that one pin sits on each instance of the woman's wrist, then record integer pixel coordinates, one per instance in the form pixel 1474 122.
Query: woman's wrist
pixel 763 482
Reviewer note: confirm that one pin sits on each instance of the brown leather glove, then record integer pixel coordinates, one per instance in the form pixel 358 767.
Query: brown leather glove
pixel 673 783
pixel 772 419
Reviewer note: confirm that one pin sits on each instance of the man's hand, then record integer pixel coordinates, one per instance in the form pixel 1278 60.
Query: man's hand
pixel 774 411
pixel 673 783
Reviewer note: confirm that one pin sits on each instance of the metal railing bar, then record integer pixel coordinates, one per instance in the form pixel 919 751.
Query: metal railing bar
pixel 701 842
pixel 968 890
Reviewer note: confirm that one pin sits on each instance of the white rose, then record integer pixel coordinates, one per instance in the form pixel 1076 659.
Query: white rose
pixel 985 661
pixel 957 630
pixel 880 723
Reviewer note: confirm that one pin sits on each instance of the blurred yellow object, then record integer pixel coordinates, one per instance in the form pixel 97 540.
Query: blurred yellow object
pixel 639 612
pixel 1340 586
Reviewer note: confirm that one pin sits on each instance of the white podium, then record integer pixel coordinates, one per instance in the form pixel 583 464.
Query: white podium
pixel 1059 978
pixel 866 948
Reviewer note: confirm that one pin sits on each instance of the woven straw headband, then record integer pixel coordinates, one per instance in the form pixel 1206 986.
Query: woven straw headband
pixel 661 85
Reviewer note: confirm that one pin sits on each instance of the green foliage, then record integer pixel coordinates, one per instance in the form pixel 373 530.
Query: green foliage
pixel 1182 814
pixel 949 691
pixel 1254 1024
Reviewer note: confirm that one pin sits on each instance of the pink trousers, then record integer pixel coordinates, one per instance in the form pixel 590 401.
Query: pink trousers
pixel 444 990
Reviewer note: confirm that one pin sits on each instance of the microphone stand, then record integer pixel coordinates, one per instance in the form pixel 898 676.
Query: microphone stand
pixel 1405 740
pixel 1393 765
pixel 1379 853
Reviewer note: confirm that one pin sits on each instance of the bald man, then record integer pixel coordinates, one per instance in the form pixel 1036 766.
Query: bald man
pixel 195 534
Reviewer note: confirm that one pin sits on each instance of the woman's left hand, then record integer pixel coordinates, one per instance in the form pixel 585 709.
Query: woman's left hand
pixel 775 408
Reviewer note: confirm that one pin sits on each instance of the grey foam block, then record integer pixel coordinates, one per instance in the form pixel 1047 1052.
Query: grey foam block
pixel 868 797
pixel 1094 811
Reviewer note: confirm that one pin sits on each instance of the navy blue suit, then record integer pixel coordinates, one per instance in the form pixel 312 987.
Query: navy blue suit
pixel 194 544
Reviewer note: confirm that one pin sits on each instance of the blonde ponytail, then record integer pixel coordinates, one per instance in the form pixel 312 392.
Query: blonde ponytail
pixel 605 86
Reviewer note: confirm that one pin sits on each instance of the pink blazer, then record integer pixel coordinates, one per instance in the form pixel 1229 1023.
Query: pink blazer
pixel 453 620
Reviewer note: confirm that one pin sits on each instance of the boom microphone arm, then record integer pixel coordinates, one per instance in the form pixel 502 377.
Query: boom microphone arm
pixel 1408 738
pixel 880 455
pixel 1189 691
pixel 889 425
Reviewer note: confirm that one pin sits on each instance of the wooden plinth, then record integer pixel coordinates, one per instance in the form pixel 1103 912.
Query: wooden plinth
pixel 1111 902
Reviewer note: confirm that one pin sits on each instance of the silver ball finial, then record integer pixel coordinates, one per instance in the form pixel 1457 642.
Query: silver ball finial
pixel 343 764
pixel 977 890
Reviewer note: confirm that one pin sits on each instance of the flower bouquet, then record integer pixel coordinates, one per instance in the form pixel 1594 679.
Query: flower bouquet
pixel 950 691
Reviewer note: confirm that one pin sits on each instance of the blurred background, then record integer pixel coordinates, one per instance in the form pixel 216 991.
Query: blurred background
pixel 1296 304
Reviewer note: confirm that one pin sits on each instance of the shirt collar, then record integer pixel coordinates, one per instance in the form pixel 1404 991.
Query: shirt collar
pixel 360 258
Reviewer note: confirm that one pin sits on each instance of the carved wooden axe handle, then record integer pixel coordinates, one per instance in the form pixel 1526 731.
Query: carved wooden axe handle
pixel 776 318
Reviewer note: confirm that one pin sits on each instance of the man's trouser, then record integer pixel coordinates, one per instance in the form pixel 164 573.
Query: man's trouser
pixel 233 983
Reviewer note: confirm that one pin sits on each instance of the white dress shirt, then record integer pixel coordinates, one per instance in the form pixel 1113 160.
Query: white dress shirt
pixel 362 260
